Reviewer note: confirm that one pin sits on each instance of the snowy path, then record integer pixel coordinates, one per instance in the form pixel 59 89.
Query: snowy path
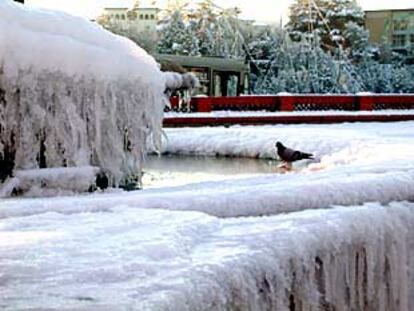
pixel 182 248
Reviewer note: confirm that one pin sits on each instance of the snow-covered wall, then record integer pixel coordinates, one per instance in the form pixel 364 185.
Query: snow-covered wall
pixel 75 93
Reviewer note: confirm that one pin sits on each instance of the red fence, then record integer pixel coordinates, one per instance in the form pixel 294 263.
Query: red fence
pixel 300 102
pixel 283 119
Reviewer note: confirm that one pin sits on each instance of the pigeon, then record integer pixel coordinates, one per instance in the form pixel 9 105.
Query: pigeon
pixel 289 155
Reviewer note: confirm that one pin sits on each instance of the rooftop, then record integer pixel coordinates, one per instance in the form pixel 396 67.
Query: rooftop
pixel 131 4
pixel 391 10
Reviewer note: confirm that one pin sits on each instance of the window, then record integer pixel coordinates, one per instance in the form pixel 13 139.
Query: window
pixel 152 16
pixel 131 15
pixel 400 25
pixel 412 39
pixel 146 16
pixel 116 16
pixel 122 16
pixel 398 40
pixel 141 16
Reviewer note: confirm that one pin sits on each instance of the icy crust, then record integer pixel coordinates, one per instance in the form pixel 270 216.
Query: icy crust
pixel 353 258
pixel 79 92
pixel 56 180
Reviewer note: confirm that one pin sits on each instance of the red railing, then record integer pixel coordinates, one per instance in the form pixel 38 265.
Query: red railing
pixel 283 119
pixel 308 102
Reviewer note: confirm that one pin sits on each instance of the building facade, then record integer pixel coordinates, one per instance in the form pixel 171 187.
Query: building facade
pixel 393 27
pixel 139 17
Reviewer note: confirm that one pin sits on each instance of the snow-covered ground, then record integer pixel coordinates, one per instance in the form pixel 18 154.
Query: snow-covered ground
pixel 208 245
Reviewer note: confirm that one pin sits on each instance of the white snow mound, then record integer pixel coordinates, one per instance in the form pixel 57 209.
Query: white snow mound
pixel 74 93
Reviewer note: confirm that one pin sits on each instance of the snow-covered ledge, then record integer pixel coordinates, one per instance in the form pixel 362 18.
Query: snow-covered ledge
pixel 352 258
pixel 74 93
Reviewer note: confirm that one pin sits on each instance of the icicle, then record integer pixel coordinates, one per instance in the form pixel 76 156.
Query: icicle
pixel 68 103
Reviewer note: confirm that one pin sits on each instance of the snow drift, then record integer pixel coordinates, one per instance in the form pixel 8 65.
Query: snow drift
pixel 73 94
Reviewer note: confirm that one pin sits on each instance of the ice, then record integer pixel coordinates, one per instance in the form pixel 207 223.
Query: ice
pixel 75 93
pixel 51 181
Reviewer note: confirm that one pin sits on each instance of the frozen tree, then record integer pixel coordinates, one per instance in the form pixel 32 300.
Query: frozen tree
pixel 302 67
pixel 219 31
pixel 307 17
pixel 356 37
pixel 204 29
pixel 328 19
pixel 203 26
pixel 229 33
pixel 176 37
pixel 282 65
pixel 386 78
pixel 146 39
pixel 261 51
pixel 299 67
pixel 342 16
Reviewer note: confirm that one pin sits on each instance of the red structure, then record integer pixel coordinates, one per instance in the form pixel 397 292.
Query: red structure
pixel 290 103
pixel 301 102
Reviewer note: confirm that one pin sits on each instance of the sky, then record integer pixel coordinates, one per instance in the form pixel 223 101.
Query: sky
pixel 261 10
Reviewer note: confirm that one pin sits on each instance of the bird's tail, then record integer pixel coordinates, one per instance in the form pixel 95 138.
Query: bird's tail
pixel 308 156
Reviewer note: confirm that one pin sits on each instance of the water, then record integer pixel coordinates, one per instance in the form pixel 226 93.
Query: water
pixel 173 170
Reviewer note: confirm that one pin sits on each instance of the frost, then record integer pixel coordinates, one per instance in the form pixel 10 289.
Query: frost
pixel 73 94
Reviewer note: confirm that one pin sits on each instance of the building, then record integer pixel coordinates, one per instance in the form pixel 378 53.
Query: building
pixel 395 27
pixel 217 76
pixel 140 17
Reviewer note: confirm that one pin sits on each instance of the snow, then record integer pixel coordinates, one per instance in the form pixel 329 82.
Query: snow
pixel 246 243
pixel 78 90
pixel 32 182
pixel 332 233
pixel 160 260
pixel 74 46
